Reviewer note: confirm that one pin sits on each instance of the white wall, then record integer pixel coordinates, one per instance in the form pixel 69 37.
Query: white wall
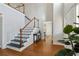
pixel 57 21
pixel 0 30
pixel 49 12
pixel 42 11
pixel 12 22
pixel 67 7
pixel 63 14
pixel 49 18
pixel 69 13
pixel 37 10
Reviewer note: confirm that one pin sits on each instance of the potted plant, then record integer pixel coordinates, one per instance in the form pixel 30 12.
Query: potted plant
pixel 67 30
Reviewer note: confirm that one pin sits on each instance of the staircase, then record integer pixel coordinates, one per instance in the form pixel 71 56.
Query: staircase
pixel 24 36
pixel 15 43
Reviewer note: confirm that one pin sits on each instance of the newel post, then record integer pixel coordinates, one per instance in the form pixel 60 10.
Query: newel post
pixel 34 22
pixel 20 38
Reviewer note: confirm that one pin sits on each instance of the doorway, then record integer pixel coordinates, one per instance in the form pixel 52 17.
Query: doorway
pixel 48 31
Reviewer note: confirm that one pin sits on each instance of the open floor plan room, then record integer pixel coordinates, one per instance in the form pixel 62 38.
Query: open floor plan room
pixel 39 29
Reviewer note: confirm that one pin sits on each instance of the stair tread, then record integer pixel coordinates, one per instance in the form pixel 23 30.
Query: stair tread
pixel 15 45
pixel 26 31
pixel 25 34
pixel 16 40
pixel 21 37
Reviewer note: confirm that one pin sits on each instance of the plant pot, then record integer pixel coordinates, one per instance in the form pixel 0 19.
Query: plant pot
pixel 67 43
pixel 65 52
pixel 76 47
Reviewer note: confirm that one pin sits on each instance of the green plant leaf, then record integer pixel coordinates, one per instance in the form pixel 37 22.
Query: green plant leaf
pixel 68 29
pixel 76 30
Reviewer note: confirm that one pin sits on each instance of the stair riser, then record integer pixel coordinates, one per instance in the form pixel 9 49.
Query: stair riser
pixel 22 39
pixel 24 35
pixel 13 48
pixel 18 42
pixel 26 32
pixel 28 29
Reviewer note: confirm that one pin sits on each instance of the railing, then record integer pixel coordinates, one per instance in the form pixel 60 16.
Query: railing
pixel 34 20
pixel 22 7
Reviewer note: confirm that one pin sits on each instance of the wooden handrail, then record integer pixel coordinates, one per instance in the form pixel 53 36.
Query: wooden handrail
pixel 34 18
pixel 27 18
pixel 27 24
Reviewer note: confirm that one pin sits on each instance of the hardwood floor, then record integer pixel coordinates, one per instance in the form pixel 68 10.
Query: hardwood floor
pixel 41 48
